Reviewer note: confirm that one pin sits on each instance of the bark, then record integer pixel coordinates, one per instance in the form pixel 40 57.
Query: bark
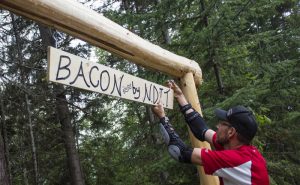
pixel 33 147
pixel 218 77
pixel 69 137
pixel 153 124
pixel 202 8
pixel 4 172
pixel 63 113
pixel 25 173
pixel 216 68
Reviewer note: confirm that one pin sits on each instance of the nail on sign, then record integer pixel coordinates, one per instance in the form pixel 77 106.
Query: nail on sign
pixel 72 70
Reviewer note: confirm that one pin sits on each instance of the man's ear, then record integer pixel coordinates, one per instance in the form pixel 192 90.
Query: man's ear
pixel 231 131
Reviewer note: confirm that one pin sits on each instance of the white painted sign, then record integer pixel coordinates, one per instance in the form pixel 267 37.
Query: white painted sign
pixel 72 70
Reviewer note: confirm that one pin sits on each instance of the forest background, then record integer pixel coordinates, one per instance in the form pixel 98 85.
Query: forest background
pixel 51 134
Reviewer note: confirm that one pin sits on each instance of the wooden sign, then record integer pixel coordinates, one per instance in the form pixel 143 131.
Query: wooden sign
pixel 75 71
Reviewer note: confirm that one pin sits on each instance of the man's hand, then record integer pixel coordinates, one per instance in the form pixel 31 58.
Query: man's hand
pixel 177 91
pixel 158 109
pixel 178 94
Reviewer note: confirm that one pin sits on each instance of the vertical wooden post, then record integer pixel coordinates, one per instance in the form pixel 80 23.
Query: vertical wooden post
pixel 188 87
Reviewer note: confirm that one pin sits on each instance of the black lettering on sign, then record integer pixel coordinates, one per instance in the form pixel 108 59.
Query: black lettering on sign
pixel 136 91
pixel 160 92
pixel 80 73
pixel 65 67
pixel 155 94
pixel 167 92
pixel 118 86
pixel 101 81
pixel 148 95
pixel 94 67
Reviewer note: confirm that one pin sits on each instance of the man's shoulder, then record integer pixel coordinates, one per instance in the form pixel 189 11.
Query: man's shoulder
pixel 252 152
pixel 250 148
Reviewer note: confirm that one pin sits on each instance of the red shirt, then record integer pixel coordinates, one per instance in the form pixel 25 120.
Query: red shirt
pixel 244 165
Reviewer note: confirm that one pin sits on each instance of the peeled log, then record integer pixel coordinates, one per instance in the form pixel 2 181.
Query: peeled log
pixel 79 21
pixel 190 92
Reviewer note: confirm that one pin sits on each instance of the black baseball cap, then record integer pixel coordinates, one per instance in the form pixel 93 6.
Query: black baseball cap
pixel 241 119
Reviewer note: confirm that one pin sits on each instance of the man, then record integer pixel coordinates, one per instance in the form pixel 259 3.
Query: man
pixel 235 161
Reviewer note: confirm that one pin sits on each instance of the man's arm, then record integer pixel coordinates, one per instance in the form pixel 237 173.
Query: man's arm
pixel 193 118
pixel 196 156
pixel 198 125
pixel 209 136
pixel 176 147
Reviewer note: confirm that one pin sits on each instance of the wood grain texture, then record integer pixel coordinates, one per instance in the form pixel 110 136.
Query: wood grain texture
pixel 79 21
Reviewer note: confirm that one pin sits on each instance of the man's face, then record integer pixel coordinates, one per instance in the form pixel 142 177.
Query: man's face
pixel 222 132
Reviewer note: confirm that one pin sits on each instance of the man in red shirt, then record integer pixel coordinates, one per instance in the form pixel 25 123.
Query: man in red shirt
pixel 234 161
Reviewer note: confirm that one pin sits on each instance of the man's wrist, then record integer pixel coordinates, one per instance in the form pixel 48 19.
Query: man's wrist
pixel 164 119
pixel 161 116
pixel 181 100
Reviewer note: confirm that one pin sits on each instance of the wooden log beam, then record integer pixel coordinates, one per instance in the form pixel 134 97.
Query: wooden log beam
pixel 190 92
pixel 79 21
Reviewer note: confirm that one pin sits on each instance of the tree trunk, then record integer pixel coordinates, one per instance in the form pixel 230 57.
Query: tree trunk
pixel 33 148
pixel 63 113
pixel 202 8
pixel 216 66
pixel 69 137
pixel 4 172
pixel 218 77
pixel 153 125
